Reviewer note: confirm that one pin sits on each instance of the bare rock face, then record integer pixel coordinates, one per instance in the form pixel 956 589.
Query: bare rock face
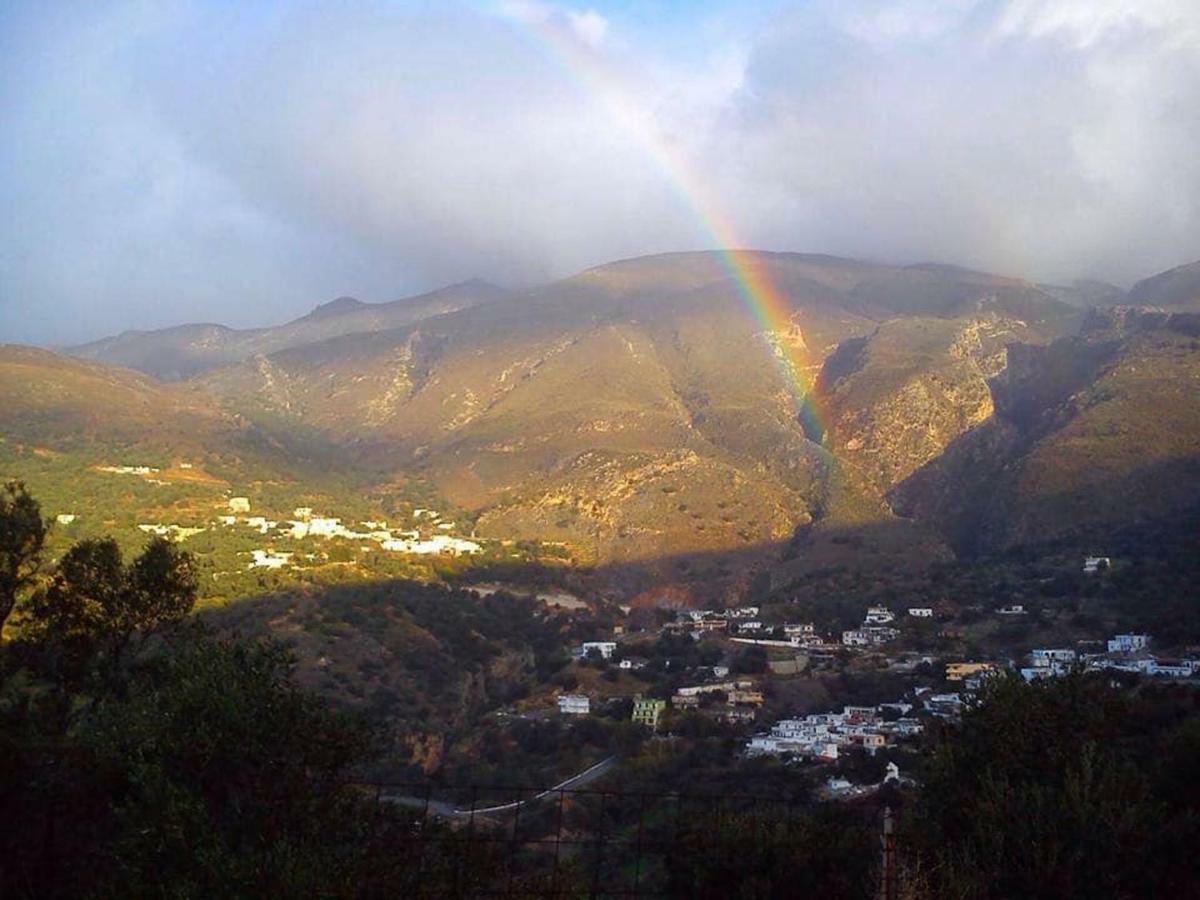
pixel 912 388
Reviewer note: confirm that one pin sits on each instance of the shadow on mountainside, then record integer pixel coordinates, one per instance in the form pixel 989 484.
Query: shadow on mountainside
pixel 982 496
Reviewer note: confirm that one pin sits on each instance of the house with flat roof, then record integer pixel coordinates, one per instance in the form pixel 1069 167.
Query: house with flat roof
pixel 574 704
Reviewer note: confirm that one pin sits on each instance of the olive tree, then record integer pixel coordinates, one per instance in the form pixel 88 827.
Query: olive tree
pixel 22 536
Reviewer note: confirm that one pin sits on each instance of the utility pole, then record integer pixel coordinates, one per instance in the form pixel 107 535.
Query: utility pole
pixel 887 874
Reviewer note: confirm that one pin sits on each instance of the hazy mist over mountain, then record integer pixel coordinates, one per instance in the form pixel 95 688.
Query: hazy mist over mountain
pixel 239 163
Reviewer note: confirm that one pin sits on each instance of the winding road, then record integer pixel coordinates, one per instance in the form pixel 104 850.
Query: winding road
pixel 446 811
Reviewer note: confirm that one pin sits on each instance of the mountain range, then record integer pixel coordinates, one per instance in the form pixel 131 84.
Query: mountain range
pixel 638 411
pixel 173 354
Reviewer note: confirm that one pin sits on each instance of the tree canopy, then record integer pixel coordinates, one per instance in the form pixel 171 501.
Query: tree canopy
pixel 22 536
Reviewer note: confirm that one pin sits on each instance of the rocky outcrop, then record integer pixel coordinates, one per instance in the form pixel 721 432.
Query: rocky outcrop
pixel 897 399
pixel 1088 432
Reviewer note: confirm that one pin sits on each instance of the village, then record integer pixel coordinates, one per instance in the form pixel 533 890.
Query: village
pixel 428 534
pixel 307 524
pixel 940 687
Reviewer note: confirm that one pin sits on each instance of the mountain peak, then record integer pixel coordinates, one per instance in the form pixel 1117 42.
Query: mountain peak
pixel 1177 288
pixel 335 308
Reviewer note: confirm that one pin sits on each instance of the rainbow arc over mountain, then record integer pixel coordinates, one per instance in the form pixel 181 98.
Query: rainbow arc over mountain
pixel 748 270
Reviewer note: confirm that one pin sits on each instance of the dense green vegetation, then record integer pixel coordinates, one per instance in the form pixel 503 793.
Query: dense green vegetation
pixel 106 504
pixel 141 754
pixel 144 753
pixel 1064 788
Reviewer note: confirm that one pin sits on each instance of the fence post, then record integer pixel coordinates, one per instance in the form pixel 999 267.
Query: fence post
pixel 887 874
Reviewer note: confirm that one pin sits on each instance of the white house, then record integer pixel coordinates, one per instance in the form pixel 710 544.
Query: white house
pixel 921 612
pixel 239 504
pixel 1013 609
pixel 438 544
pixel 574 704
pixel 325 526
pixel 798 630
pixel 1128 643
pixel 269 559
pixel 880 634
pixel 64 518
pixel 1093 564
pixel 604 648
pixel 878 615
pixel 725 687
pixel 856 638
pixel 1171 669
pixel 1060 656
pixel 128 470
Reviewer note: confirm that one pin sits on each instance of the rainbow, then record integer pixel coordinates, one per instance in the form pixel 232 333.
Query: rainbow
pixel 746 269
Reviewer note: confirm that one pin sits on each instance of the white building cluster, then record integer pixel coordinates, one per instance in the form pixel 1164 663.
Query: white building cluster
pixel 307 525
pixel 875 629
pixel 605 648
pixel 128 470
pixel 1125 653
pixel 822 735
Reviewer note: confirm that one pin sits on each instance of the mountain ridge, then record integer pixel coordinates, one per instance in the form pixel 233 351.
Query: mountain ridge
pixel 639 412
pixel 184 351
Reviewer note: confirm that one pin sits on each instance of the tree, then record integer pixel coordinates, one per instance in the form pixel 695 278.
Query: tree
pixel 210 774
pixel 751 661
pixel 22 536
pixel 1046 790
pixel 186 767
pixel 97 605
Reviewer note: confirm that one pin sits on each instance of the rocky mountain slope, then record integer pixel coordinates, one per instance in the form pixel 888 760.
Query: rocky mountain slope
pixel 639 408
pixel 176 353
pixel 894 400
pixel 64 421
pixel 1175 289
pixel 48 397
pixel 1088 433
pixel 640 411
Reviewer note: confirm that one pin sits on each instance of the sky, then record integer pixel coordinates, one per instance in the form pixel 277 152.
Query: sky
pixel 175 161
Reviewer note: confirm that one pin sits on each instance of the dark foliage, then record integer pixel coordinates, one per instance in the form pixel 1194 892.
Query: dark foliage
pixel 22 535
pixel 1065 788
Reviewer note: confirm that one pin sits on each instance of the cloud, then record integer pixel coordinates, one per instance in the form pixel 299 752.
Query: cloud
pixel 161 163
pixel 586 25
pixel 589 25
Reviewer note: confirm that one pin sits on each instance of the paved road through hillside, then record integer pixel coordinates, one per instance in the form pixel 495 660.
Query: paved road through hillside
pixel 446 811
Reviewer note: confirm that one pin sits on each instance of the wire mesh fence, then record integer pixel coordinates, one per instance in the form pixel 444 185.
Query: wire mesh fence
pixel 578 842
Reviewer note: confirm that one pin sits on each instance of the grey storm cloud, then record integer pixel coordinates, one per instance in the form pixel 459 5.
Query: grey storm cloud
pixel 239 163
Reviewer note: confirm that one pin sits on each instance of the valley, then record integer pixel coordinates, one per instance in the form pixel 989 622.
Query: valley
pixel 433 502
pixel 523 448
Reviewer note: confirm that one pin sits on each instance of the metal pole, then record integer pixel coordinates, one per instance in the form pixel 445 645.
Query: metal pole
pixel 887 876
